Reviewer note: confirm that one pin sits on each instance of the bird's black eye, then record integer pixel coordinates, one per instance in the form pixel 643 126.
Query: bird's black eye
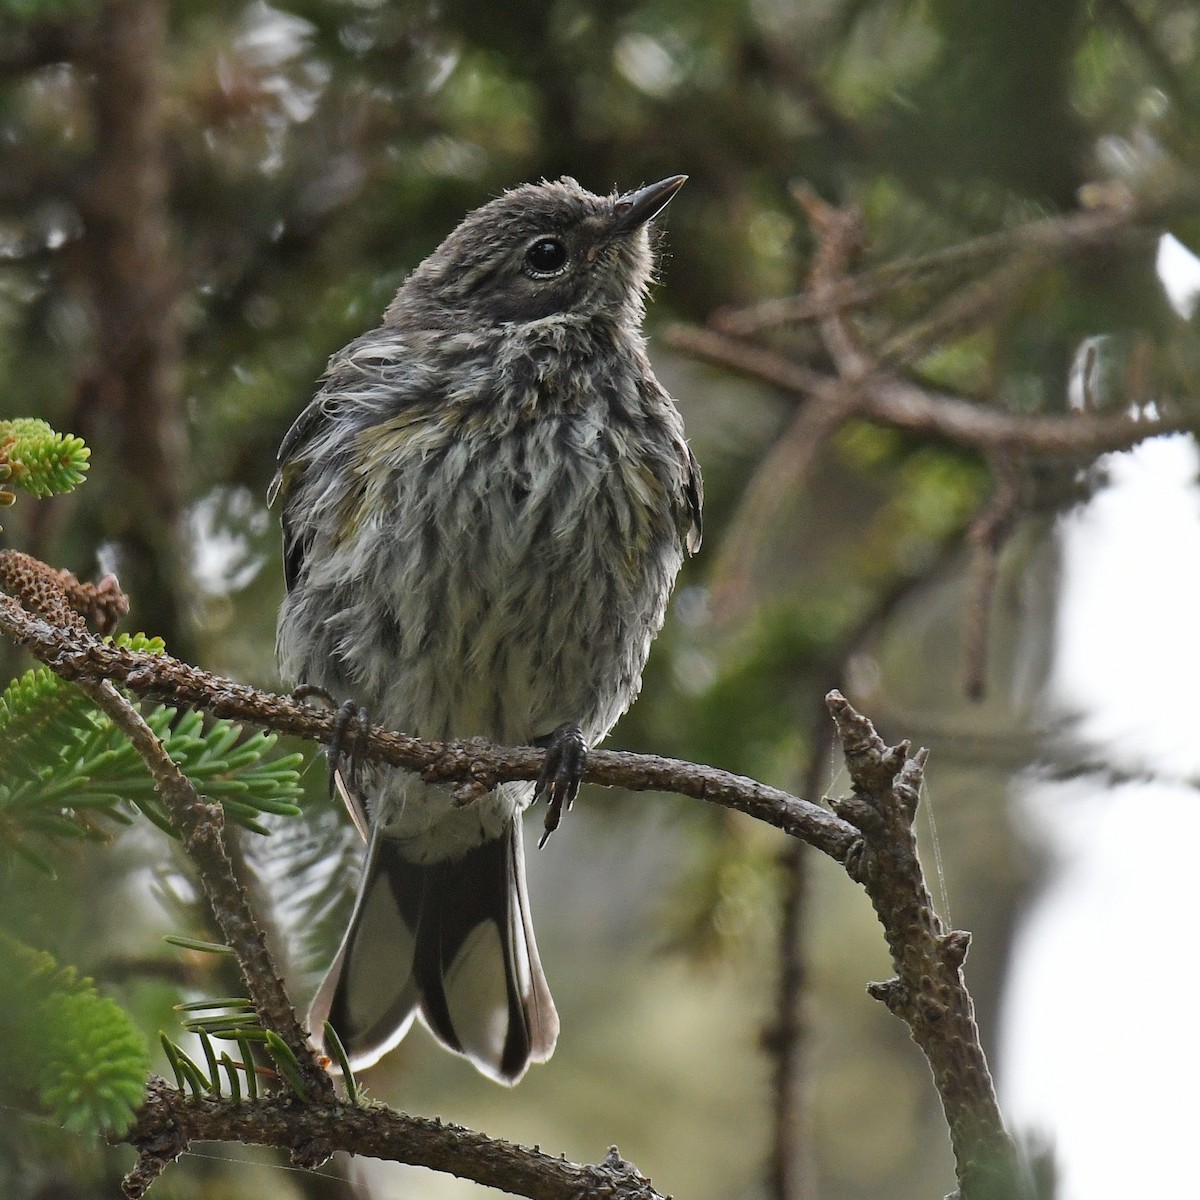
pixel 547 256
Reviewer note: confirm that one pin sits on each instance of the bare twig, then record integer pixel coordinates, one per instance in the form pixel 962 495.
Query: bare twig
pixel 1052 239
pixel 870 386
pixel 928 992
pixel 786 1039
pixel 1142 37
pixel 789 460
pixel 978 303
pixel 169 1122
pixel 839 238
pixel 779 476
pixel 840 235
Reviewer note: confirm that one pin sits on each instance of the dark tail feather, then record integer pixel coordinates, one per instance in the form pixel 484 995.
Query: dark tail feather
pixel 453 942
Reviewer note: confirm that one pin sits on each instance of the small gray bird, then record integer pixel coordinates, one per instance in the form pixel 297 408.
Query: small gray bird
pixel 484 511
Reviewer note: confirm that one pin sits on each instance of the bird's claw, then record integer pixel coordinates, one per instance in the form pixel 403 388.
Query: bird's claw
pixel 561 774
pixel 306 691
pixel 349 722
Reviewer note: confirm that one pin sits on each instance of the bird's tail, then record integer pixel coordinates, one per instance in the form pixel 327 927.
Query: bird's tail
pixel 451 942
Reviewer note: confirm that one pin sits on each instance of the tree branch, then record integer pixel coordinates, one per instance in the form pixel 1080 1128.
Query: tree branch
pixel 474 764
pixel 201 826
pixel 129 397
pixel 786 1039
pixel 988 534
pixel 1178 87
pixel 871 385
pixel 789 460
pixel 898 402
pixel 928 992
pixel 1053 239
pixel 169 1122
pixel 199 823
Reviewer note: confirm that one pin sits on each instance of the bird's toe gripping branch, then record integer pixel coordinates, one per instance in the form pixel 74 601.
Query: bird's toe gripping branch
pixel 561 774
pixel 350 726
pixel 350 722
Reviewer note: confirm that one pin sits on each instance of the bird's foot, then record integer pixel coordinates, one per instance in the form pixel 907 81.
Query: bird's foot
pixel 350 722
pixel 561 774
pixel 306 691
pixel 350 726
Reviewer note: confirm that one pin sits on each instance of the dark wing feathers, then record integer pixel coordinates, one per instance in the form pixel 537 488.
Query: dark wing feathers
pixel 318 415
pixel 694 496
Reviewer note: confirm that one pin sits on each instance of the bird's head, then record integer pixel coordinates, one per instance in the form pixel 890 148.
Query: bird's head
pixel 537 251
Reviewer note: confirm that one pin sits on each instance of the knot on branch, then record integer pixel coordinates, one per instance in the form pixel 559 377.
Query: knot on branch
pixel 140 677
pixel 955 945
pixel 617 1176
pixel 932 1009
pixel 477 777
pixel 453 760
pixel 862 814
pixel 856 861
pixel 907 786
pixel 889 992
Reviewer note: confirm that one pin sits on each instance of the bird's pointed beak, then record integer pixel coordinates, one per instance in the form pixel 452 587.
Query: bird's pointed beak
pixel 636 208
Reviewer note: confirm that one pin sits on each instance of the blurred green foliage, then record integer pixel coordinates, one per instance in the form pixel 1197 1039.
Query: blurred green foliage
pixel 76 1050
pixel 39 461
pixel 67 776
pixel 68 771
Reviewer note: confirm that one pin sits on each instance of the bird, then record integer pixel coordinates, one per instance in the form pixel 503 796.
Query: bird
pixel 484 508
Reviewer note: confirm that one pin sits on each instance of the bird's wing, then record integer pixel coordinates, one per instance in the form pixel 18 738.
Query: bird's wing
pixel 352 379
pixel 693 494
pixel 290 461
pixel 365 383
